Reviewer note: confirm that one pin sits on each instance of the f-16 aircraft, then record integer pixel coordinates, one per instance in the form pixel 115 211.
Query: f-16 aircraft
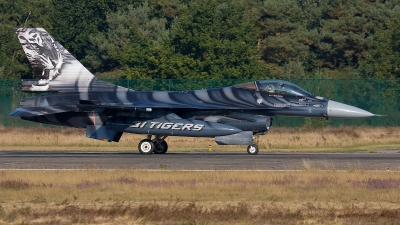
pixel 232 115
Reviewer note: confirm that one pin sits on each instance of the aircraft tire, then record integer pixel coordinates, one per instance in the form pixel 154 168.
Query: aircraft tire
pixel 252 149
pixel 146 146
pixel 162 148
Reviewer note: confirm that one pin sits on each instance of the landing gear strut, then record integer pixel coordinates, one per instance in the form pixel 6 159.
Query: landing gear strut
pixel 253 149
pixel 158 145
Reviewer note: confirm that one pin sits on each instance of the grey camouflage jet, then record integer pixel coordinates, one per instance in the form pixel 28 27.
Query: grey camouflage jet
pixel 232 115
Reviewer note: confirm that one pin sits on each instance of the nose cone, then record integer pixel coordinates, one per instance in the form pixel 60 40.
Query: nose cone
pixel 340 110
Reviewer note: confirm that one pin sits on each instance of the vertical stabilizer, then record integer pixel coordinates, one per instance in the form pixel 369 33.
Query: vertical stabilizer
pixel 54 68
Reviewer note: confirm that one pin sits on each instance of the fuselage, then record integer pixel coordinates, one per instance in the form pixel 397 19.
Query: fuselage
pixel 236 105
pixel 186 104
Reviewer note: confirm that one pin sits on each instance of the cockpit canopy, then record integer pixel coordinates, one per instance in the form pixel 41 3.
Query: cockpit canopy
pixel 280 87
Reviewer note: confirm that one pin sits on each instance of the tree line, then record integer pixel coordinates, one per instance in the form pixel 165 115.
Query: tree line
pixel 212 39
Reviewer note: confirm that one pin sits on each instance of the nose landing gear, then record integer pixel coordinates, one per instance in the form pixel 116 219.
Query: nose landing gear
pixel 252 149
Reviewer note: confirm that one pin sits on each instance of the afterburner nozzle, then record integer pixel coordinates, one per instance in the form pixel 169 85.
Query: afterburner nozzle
pixel 340 110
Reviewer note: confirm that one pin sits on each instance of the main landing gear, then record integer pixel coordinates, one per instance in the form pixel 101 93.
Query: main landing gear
pixel 158 145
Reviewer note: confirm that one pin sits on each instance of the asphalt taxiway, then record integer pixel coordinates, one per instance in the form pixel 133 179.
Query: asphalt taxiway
pixel 385 160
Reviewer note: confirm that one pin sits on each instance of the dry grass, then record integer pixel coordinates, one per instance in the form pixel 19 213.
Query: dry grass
pixel 199 213
pixel 278 139
pixel 177 197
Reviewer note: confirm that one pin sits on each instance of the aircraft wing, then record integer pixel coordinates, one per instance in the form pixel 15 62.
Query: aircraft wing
pixel 85 106
pixel 89 105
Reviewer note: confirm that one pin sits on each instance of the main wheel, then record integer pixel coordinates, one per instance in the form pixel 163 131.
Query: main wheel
pixel 161 147
pixel 252 149
pixel 146 146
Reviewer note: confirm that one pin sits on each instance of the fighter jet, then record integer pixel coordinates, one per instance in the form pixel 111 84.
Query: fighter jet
pixel 232 115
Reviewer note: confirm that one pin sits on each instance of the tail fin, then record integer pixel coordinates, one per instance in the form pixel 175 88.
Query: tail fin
pixel 54 67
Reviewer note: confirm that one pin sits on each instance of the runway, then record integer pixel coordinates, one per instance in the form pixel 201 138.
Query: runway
pixel 387 160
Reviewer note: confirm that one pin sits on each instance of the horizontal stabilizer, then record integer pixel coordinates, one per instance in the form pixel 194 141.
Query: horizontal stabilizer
pixel 40 111
pixel 100 132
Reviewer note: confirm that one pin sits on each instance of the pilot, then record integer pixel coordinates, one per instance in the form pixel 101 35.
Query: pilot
pixel 269 88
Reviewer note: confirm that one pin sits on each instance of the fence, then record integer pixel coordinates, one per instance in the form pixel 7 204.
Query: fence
pixel 379 96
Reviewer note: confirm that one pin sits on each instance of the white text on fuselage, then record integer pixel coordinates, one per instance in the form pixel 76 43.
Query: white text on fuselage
pixel 291 104
pixel 169 126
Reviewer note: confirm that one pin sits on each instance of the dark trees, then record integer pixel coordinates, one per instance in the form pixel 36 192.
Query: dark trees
pixel 212 39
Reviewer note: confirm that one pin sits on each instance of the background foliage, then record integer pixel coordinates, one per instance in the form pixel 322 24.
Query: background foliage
pixel 228 39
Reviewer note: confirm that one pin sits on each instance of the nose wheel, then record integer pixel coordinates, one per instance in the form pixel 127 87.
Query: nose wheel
pixel 252 149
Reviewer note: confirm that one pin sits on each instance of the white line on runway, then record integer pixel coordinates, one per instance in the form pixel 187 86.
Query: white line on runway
pixel 161 170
